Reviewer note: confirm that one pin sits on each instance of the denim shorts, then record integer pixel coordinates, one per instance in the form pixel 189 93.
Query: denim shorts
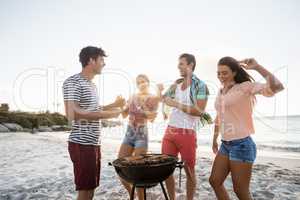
pixel 136 137
pixel 243 150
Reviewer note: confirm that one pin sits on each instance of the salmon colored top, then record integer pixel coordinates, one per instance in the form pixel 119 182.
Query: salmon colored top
pixel 137 109
pixel 234 109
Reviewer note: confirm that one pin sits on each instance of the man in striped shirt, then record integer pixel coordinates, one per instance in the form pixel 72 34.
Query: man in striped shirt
pixel 83 110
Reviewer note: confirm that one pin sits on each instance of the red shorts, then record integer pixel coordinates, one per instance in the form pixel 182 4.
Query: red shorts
pixel 86 163
pixel 183 141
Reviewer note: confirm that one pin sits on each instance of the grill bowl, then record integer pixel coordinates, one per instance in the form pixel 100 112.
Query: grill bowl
pixel 146 173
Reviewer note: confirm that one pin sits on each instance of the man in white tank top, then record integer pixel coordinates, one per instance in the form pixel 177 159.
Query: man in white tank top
pixel 179 118
pixel 188 98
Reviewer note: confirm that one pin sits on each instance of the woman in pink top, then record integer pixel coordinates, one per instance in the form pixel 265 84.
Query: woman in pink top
pixel 141 108
pixel 234 106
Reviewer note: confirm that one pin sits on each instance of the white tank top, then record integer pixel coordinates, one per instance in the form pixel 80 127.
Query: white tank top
pixel 178 118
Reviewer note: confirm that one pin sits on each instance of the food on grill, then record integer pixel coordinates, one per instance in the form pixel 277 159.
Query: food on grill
pixel 147 159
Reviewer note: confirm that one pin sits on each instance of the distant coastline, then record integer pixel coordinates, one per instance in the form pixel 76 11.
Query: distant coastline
pixel 20 121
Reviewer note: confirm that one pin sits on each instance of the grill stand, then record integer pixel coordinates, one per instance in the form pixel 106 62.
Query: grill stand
pixel 145 187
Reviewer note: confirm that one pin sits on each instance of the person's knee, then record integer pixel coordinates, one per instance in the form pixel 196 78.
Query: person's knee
pixel 192 182
pixel 191 177
pixel 90 194
pixel 215 181
pixel 170 180
pixel 241 191
pixel 83 195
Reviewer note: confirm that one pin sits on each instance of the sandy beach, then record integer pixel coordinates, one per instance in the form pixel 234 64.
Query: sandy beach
pixel 38 167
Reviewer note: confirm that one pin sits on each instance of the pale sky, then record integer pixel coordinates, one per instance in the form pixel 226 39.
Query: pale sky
pixel 40 42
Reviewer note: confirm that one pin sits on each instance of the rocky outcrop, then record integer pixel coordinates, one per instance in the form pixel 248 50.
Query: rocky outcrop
pixel 3 129
pixel 44 129
pixel 13 127
pixel 60 128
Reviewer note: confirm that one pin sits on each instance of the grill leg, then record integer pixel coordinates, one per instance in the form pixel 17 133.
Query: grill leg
pixel 132 192
pixel 164 191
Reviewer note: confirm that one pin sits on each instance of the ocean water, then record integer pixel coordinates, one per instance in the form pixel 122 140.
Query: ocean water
pixel 274 136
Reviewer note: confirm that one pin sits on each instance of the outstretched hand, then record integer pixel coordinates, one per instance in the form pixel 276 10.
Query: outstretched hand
pixel 119 102
pixel 249 63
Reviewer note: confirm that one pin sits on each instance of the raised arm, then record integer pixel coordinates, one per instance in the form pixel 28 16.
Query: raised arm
pixel 273 82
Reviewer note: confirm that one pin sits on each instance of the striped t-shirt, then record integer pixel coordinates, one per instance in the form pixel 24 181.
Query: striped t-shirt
pixel 79 89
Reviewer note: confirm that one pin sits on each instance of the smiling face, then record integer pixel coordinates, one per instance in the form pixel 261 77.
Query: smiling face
pixel 225 74
pixel 185 69
pixel 142 83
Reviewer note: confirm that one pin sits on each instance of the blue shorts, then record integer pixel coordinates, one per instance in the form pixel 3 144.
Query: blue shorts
pixel 243 150
pixel 136 137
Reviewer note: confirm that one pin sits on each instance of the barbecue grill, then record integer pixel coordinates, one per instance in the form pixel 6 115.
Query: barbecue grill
pixel 147 170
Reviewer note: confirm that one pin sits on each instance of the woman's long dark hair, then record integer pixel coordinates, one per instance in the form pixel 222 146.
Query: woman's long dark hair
pixel 233 64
